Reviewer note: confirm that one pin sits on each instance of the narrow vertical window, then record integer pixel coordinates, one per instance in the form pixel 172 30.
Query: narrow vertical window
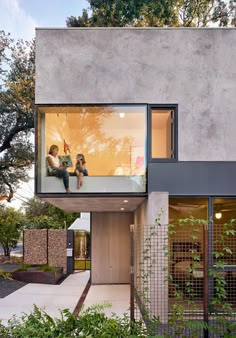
pixel 163 133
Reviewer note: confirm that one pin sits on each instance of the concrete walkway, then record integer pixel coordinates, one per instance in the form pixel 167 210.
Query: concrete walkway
pixel 53 298
pixel 118 295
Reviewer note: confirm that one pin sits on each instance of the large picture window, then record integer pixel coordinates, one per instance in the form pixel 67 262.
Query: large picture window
pixel 111 138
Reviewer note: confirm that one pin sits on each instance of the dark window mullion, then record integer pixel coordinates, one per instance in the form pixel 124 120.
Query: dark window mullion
pixel 172 134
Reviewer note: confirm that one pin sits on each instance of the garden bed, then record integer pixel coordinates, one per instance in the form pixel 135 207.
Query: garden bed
pixel 37 274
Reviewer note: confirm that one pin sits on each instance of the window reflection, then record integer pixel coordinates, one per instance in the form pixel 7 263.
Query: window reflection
pixel 224 214
pixel 181 208
pixel 224 210
pixel 112 138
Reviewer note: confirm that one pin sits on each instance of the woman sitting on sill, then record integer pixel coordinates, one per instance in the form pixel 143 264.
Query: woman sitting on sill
pixel 55 167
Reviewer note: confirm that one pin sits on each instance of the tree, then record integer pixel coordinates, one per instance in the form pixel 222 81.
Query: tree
pixel 156 13
pixel 41 215
pixel 10 228
pixel 17 71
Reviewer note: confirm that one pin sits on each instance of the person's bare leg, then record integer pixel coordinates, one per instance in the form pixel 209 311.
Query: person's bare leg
pixel 77 174
pixel 79 179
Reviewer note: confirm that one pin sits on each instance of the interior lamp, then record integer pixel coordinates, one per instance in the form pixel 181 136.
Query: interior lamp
pixel 218 215
pixel 122 115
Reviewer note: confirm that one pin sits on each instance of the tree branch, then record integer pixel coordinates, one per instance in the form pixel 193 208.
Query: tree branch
pixel 18 128
pixel 11 193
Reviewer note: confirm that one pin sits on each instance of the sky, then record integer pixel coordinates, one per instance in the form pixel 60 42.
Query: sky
pixel 20 18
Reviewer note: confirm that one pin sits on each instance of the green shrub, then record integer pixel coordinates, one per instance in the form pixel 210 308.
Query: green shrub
pixel 47 268
pixel 33 267
pixel 5 274
pixel 90 323
pixel 24 267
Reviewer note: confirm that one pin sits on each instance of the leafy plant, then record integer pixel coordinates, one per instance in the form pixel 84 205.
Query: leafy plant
pixel 41 215
pixel 185 289
pixel 220 305
pixel 146 271
pixel 17 70
pixel 91 322
pixel 47 268
pixel 5 274
pixel 10 228
pixel 33 267
pixel 145 13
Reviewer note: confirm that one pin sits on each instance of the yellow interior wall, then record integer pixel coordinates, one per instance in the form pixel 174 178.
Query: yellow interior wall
pixel 100 157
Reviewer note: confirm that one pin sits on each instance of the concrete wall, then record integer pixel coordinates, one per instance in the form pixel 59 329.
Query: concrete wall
pixel 45 247
pixel 194 68
pixel 144 219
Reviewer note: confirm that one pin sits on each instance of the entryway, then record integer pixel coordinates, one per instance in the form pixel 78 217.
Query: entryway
pixel 110 247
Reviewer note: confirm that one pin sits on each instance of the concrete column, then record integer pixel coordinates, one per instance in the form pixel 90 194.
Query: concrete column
pixel 158 204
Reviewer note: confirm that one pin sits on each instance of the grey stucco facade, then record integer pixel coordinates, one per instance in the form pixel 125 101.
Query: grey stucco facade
pixel 191 69
pixel 194 68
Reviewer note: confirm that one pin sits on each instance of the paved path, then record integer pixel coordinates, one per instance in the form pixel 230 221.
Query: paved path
pixel 116 294
pixel 9 267
pixel 52 298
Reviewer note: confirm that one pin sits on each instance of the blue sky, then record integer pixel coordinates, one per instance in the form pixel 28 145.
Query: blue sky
pixel 20 17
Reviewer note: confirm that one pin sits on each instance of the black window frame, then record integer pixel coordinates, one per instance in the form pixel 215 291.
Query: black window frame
pixel 173 107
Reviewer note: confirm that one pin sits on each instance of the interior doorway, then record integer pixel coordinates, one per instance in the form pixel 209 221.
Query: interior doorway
pixel 82 249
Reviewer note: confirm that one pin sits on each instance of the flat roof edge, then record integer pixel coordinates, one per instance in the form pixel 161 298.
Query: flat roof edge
pixel 135 28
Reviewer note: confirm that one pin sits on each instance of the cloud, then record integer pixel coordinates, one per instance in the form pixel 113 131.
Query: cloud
pixel 14 20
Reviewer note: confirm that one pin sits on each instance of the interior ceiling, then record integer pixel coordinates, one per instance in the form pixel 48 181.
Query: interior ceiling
pixel 90 204
pixel 220 204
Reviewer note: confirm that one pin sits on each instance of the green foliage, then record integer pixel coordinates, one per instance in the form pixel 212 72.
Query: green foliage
pixel 80 264
pixel 33 267
pixel 5 274
pixel 146 267
pixel 220 305
pixel 150 13
pixel 16 112
pixel 25 267
pixel 47 268
pixel 91 322
pixel 41 215
pixel 10 228
pixel 177 317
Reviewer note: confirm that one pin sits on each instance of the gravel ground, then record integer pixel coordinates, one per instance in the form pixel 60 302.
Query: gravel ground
pixel 7 286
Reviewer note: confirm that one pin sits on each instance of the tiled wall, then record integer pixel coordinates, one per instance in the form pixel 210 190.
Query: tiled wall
pixel 45 247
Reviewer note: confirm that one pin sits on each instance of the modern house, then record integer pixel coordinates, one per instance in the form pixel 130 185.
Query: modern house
pixel 154 112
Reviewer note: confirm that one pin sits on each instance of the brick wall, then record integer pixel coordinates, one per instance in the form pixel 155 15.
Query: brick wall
pixel 45 247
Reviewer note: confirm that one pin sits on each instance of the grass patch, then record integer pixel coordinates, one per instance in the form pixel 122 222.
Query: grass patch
pixel 82 264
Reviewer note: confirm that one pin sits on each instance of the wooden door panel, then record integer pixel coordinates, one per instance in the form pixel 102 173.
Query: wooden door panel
pixel 111 247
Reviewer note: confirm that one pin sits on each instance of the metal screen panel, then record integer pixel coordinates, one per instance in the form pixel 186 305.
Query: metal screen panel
pixel 181 286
